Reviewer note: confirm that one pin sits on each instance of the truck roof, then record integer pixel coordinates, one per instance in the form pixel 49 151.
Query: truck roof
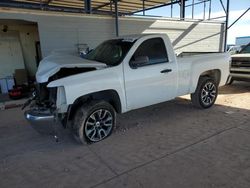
pixel 137 36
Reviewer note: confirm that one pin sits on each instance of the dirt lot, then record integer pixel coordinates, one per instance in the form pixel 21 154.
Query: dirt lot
pixel 168 145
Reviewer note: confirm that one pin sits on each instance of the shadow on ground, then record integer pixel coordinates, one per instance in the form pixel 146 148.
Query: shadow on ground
pixel 235 88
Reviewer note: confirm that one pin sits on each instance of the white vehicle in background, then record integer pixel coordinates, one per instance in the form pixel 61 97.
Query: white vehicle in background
pixel 242 41
pixel 120 75
pixel 234 49
pixel 240 66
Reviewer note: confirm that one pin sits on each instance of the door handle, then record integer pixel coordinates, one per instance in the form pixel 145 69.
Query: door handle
pixel 166 70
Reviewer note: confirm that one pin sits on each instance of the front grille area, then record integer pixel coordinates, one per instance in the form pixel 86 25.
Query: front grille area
pixel 46 96
pixel 240 72
pixel 240 67
pixel 241 63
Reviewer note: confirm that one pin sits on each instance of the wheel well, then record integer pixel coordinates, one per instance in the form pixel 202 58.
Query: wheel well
pixel 110 96
pixel 214 74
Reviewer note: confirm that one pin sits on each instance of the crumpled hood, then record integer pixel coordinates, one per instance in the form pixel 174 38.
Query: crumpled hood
pixel 53 63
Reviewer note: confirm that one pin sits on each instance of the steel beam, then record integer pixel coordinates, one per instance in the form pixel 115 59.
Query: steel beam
pixel 214 18
pixel 171 8
pixel 209 12
pixel 158 6
pixel 111 6
pixel 204 10
pixel 223 6
pixel 103 5
pixel 182 9
pixel 36 6
pixel 227 16
pixel 193 9
pixel 116 18
pixel 87 6
pixel 143 7
pixel 197 3
pixel 239 18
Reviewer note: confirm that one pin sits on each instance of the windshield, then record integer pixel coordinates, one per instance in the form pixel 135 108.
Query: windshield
pixel 110 52
pixel 246 49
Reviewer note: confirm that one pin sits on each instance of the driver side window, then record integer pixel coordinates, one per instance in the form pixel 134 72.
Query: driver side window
pixel 151 51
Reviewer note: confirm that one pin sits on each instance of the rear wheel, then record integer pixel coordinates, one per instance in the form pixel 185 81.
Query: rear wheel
pixel 94 121
pixel 205 94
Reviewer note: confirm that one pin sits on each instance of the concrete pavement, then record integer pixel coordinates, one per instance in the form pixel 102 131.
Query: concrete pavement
pixel 167 145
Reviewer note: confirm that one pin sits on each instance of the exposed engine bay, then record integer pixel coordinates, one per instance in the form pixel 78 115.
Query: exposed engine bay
pixel 44 97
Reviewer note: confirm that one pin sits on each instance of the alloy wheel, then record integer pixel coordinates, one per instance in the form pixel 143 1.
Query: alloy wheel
pixel 99 125
pixel 208 93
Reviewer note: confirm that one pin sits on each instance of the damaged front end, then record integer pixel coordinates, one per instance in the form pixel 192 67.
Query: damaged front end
pixel 48 107
pixel 42 112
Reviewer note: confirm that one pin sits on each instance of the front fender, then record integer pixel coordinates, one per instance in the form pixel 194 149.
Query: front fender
pixel 86 83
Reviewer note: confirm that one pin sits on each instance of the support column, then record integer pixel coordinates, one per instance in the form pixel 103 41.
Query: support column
pixel 116 18
pixel 209 12
pixel 193 9
pixel 87 5
pixel 171 8
pixel 204 10
pixel 182 9
pixel 143 7
pixel 227 17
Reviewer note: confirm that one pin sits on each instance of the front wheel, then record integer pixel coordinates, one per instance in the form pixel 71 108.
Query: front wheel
pixel 205 94
pixel 94 121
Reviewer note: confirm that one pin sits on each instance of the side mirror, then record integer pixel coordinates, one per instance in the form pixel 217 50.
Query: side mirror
pixel 139 61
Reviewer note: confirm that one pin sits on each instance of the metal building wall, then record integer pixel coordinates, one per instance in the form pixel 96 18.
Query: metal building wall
pixel 63 30
pixel 188 36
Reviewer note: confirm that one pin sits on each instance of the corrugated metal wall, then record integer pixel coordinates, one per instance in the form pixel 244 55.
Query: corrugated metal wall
pixel 59 30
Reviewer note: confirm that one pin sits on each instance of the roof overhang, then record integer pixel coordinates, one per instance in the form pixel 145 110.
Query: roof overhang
pixel 97 6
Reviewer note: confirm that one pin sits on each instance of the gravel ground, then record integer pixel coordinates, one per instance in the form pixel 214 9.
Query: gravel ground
pixel 171 145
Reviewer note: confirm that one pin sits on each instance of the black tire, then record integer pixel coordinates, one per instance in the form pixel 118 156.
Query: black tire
pixel 90 111
pixel 199 99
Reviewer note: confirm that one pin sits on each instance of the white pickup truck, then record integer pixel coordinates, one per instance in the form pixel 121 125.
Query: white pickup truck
pixel 120 75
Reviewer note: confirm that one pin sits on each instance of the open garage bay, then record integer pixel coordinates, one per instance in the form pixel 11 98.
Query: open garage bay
pixel 171 144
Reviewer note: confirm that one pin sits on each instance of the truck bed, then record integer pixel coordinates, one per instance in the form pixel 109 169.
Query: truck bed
pixel 193 65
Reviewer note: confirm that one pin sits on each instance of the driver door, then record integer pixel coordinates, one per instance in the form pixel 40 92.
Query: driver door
pixel 152 81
